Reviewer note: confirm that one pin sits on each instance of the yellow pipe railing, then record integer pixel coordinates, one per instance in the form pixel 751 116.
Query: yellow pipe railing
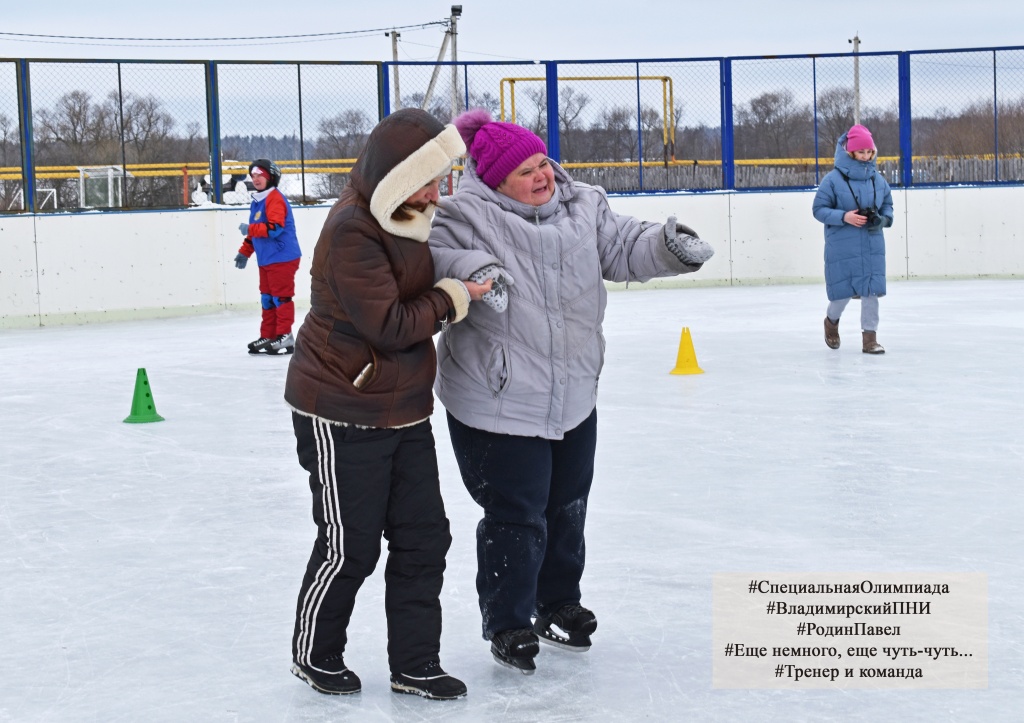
pixel 668 128
pixel 344 165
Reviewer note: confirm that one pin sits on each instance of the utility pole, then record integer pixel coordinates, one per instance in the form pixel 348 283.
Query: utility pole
pixel 456 13
pixel 437 69
pixel 394 56
pixel 856 77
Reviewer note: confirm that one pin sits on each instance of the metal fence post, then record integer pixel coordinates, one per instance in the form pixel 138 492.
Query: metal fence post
pixel 384 88
pixel 28 172
pixel 213 126
pixel 551 82
pixel 814 92
pixel 728 141
pixel 995 114
pixel 639 129
pixel 906 143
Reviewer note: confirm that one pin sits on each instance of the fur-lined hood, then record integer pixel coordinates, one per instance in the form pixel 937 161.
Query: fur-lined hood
pixel 404 152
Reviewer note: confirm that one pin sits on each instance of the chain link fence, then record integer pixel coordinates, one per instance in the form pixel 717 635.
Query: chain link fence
pixel 169 134
pixel 11 190
pixel 508 91
pixel 312 119
pixel 116 134
pixel 968 116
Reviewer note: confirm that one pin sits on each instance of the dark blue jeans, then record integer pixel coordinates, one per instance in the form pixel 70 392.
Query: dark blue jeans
pixel 530 546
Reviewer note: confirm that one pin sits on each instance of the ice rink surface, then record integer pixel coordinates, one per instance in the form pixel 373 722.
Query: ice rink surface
pixel 149 572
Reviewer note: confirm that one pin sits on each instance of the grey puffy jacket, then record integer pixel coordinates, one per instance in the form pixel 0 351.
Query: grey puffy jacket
pixel 533 370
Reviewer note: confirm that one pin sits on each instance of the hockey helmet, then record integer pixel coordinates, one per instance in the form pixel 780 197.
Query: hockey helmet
pixel 270 167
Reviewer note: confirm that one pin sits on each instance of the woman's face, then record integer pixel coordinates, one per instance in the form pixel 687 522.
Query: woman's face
pixel 864 155
pixel 426 195
pixel 532 183
pixel 259 181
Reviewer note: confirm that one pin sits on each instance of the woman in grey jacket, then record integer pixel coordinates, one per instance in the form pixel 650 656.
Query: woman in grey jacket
pixel 518 377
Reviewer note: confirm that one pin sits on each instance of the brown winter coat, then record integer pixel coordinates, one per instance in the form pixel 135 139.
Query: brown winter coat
pixel 373 297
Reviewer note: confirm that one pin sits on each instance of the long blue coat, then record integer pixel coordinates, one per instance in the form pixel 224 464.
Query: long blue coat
pixel 854 257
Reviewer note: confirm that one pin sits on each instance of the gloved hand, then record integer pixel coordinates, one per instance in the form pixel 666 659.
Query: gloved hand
pixel 244 228
pixel 497 297
pixel 685 244
pixel 240 261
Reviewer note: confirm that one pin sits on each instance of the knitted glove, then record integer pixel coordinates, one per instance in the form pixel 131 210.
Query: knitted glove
pixel 244 228
pixel 240 261
pixel 685 244
pixel 497 297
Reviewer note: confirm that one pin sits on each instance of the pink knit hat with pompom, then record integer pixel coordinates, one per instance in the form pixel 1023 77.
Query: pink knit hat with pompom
pixel 858 138
pixel 498 148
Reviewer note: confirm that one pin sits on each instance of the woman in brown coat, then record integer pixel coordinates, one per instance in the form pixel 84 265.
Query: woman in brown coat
pixel 359 386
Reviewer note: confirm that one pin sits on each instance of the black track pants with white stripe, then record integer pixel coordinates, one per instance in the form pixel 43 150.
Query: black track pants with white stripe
pixel 368 483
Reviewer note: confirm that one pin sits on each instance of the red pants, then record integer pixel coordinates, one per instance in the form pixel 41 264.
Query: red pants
pixel 277 283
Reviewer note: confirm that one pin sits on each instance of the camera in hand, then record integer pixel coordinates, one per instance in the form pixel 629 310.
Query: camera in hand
pixel 871 214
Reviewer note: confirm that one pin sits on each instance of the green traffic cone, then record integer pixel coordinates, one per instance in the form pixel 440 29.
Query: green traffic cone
pixel 143 408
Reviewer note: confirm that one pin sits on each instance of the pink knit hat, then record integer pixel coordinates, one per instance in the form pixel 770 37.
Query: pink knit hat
pixel 498 148
pixel 858 138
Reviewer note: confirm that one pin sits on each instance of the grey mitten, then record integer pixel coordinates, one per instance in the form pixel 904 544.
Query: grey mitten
pixel 685 244
pixel 244 228
pixel 497 297
pixel 240 261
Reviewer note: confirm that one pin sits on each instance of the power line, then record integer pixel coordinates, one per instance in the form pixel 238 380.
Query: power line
pixel 470 52
pixel 369 34
pixel 294 38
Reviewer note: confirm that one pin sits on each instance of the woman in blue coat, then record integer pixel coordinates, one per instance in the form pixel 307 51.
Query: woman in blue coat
pixel 855 203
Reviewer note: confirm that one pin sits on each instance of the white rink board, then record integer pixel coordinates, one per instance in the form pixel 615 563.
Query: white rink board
pixel 74 268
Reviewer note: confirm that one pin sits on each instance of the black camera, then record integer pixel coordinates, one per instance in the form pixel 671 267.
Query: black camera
pixel 871 214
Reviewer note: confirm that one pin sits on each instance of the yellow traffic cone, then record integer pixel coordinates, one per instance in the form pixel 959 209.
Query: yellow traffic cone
pixel 686 361
pixel 143 408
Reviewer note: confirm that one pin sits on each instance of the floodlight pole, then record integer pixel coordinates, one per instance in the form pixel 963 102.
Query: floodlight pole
pixel 394 56
pixel 456 13
pixel 437 69
pixel 856 78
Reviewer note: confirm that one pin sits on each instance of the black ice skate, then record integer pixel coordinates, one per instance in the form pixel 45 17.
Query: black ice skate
pixel 430 681
pixel 278 346
pixel 569 628
pixel 331 676
pixel 284 344
pixel 516 649
pixel 256 347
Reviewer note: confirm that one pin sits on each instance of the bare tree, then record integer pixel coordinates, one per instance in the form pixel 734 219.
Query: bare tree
pixel 772 125
pixel 571 105
pixel 76 132
pixel 537 119
pixel 341 137
pixel 613 136
pixel 146 132
pixel 1011 126
pixel 10 157
pixel 486 100
pixel 835 116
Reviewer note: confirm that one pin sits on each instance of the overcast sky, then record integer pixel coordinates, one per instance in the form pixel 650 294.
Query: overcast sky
pixel 526 30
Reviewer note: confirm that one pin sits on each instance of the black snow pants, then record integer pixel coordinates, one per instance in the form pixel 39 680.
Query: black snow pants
pixel 530 544
pixel 367 483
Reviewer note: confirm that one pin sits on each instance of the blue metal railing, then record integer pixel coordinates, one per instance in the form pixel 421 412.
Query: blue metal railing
pixel 736 81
